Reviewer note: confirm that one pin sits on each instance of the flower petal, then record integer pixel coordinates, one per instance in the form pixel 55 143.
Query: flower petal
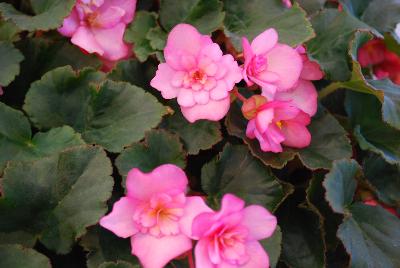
pixel 258 256
pixel 311 71
pixel 213 110
pixel 201 255
pixel 110 17
pixel 84 39
pixel 220 91
pixel 163 80
pixel 166 178
pixel 156 252
pixel 195 205
pixel 120 220
pixel 296 135
pixel 304 96
pixel 186 98
pixel 264 41
pixel 70 24
pixel 129 6
pixel 259 221
pixel 285 62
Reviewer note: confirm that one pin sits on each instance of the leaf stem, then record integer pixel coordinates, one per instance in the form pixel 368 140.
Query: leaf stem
pixel 238 95
pixel 328 90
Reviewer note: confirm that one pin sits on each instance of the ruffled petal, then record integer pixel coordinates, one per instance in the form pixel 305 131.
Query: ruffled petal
pixel 129 6
pixel 166 178
pixel 186 98
pixel 258 256
pixel 84 39
pixel 70 24
pixel 120 220
pixel 156 252
pixel 264 41
pixel 213 110
pixel 285 62
pixel 163 81
pixel 201 255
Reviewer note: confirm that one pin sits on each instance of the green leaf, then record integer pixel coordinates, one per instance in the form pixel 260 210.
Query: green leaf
pixel 8 31
pixel 370 131
pixel 373 14
pixel 205 15
pixel 159 147
pixel 230 173
pixel 157 37
pixel 355 7
pixel 114 115
pixel 312 6
pixel 371 236
pixel 328 142
pixel 23 238
pixel 251 17
pixel 384 178
pixel 103 247
pixel 49 16
pixel 334 31
pixel 16 142
pixel 16 256
pixel 57 197
pixel 273 246
pixel 137 31
pixel 134 72
pixel 9 65
pixel 302 237
pixel 340 184
pixel 197 136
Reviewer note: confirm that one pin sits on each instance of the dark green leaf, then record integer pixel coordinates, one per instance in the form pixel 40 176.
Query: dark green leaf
pixel 251 17
pixel 137 31
pixel 16 256
pixel 205 15
pixel 373 14
pixel 159 147
pixel 157 38
pixel 311 6
pixel 56 197
pixel 51 15
pixel 119 264
pixel 236 171
pixel 104 246
pixel 385 178
pixel 9 64
pixel 16 142
pixel 23 238
pixel 197 136
pixel 334 31
pixel 340 184
pixel 302 239
pixel 371 236
pixel 369 129
pixel 8 31
pixel 114 116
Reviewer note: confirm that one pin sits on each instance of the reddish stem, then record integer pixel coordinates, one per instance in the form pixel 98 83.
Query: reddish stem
pixel 191 261
pixel 238 95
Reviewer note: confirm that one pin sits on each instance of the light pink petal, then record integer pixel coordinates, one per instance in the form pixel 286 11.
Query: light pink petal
pixel 311 71
pixel 263 119
pixel 112 42
pixel 212 51
pixel 304 96
pixel 275 136
pixel 156 252
pixel 220 91
pixel 213 110
pixel 201 97
pixel 120 220
pixel 85 39
pixel 258 257
pixel 129 6
pixel 302 118
pixel 267 144
pixel 195 205
pixel 234 72
pixel 259 221
pixel 70 24
pixel 230 204
pixel 286 112
pixel 183 39
pixel 201 255
pixel 287 63
pixel 163 81
pixel 296 135
pixel 269 91
pixel 110 17
pixel 202 223
pixel 248 56
pixel 264 41
pixel 186 98
pixel 167 178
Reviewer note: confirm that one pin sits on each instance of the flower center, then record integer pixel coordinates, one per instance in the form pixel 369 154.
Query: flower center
pixel 160 215
pixel 198 76
pixel 258 65
pixel 279 124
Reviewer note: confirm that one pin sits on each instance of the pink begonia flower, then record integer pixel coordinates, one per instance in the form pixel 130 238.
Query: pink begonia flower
pixel 197 74
pixel 269 64
pixel 279 122
pixel 152 212
pixel 304 94
pixel 287 3
pixel 229 237
pixel 98 26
